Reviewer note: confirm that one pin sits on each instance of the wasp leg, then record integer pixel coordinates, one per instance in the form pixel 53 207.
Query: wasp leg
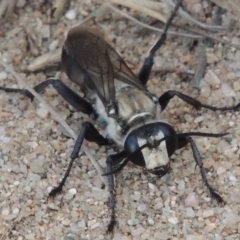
pixel 91 134
pixel 165 98
pixel 183 141
pixel 17 90
pixel 67 93
pixel 145 70
pixel 111 160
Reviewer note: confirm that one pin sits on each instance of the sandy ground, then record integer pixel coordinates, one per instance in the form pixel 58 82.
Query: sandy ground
pixel 34 152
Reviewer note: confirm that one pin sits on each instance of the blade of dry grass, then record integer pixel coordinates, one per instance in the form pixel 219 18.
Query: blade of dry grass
pixel 56 116
pixel 186 16
pixel 6 8
pixel 150 27
pixel 136 6
pixel 45 59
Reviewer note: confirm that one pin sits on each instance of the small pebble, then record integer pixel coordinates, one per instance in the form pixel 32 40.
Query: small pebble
pixel 81 224
pixel 189 213
pixel 53 45
pixel 205 91
pixel 185 58
pixel 142 207
pixel 42 112
pixel 226 90
pixel 208 213
pixel 212 78
pixel 70 14
pixel 221 170
pixel 232 178
pixel 52 206
pixel 133 222
pixel 191 200
pixel 73 191
pixel 68 196
pixel 66 222
pixel 236 85
pixel 150 221
pixel 95 225
pixel 138 231
pixel 199 119
pixel 181 185
pixel 5 211
pixel 151 186
pixel 36 168
pixel 27 188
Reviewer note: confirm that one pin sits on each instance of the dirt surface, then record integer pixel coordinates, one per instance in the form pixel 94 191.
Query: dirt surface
pixel 34 152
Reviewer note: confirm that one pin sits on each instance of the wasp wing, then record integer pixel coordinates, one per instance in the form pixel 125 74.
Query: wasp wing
pixel 86 53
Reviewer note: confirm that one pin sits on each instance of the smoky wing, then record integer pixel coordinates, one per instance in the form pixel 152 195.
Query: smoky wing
pixel 87 53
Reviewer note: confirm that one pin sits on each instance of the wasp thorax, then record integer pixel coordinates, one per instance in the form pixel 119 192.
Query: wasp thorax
pixel 134 105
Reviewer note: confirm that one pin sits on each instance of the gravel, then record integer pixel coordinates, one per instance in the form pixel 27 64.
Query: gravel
pixel 34 152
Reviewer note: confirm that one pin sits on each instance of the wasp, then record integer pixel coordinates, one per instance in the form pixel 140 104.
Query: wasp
pixel 129 111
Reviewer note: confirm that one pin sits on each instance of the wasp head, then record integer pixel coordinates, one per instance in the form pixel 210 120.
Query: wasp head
pixel 151 147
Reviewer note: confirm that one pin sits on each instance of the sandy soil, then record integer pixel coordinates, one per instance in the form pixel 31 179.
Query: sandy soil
pixel 34 152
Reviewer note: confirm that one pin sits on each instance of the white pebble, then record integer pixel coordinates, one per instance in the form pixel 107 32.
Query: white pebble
pixel 16 183
pixel 71 14
pixel 151 186
pixel 150 221
pixel 16 210
pixel 233 178
pixel 205 91
pixel 199 119
pixel 73 191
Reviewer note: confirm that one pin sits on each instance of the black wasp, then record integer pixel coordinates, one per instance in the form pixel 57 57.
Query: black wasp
pixel 130 112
